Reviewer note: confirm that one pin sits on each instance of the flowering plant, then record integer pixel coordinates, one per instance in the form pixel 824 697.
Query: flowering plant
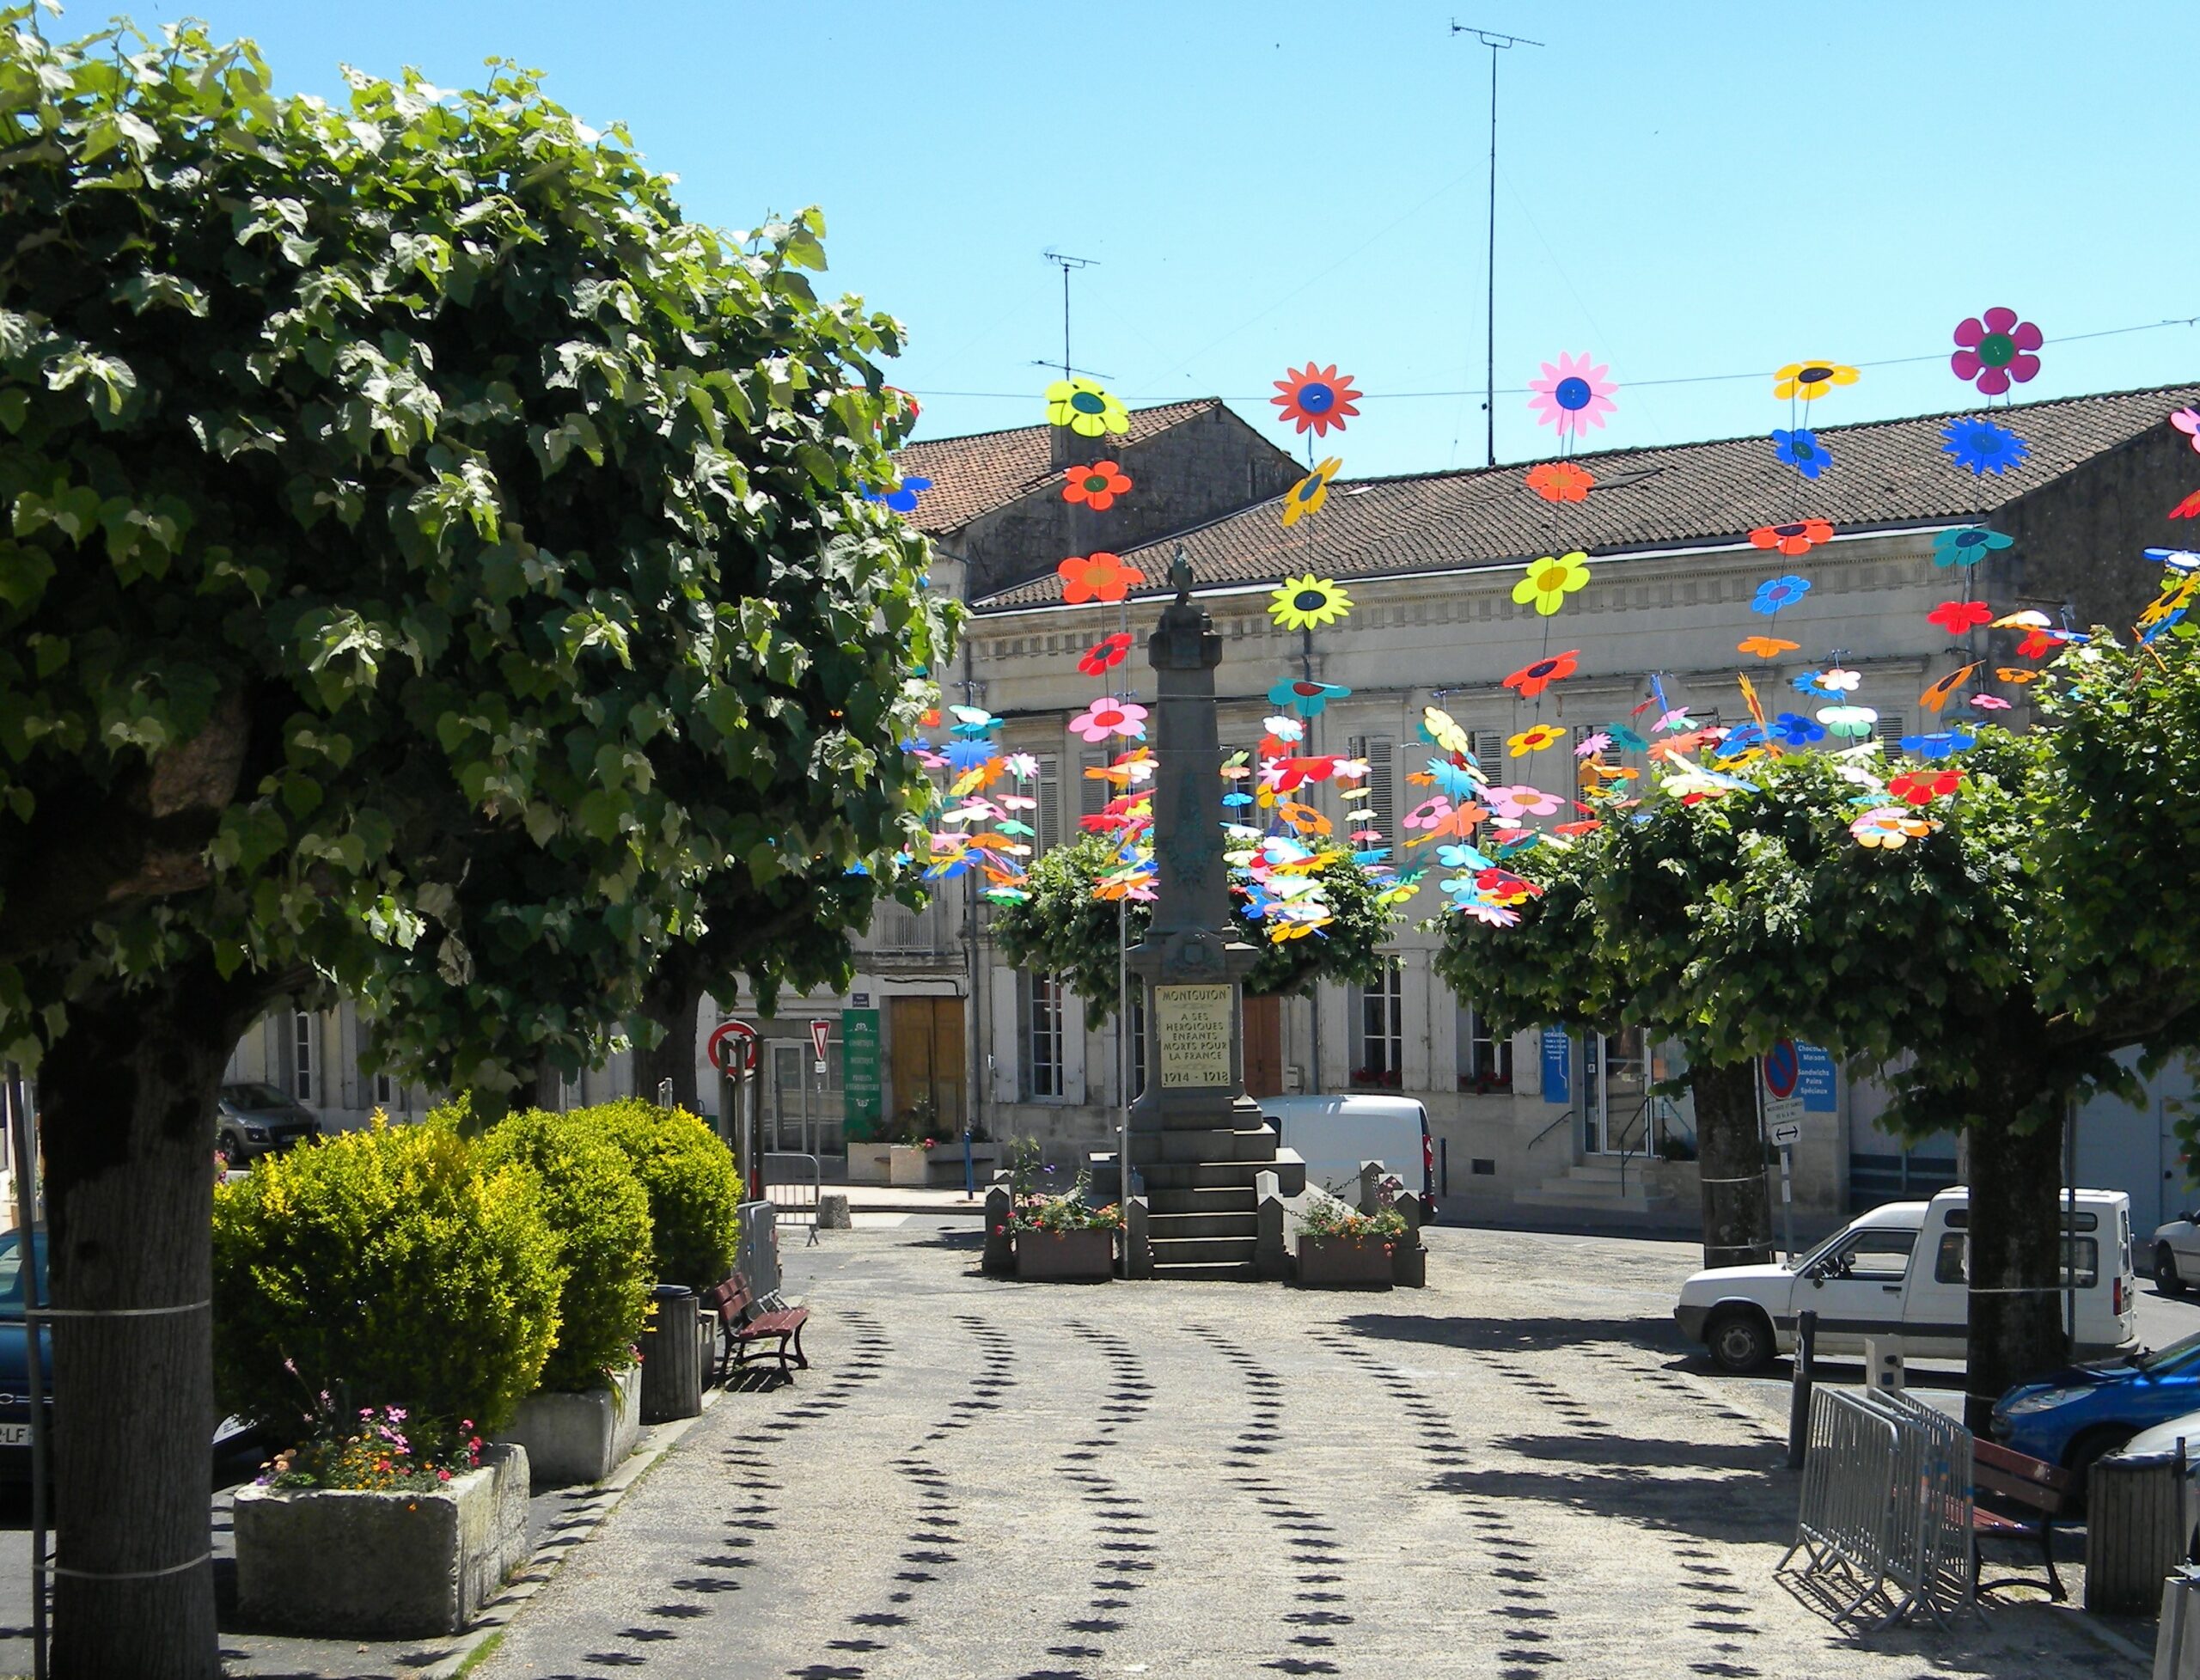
pixel 1072 1211
pixel 1327 1217
pixel 382 1450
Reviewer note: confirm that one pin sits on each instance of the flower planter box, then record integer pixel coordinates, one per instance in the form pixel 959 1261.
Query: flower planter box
pixel 575 1438
pixel 382 1565
pixel 1340 1262
pixel 1409 1267
pixel 870 1162
pixel 914 1167
pixel 1066 1257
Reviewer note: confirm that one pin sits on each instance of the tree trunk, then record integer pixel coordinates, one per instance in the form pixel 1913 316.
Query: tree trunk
pixel 1730 1157
pixel 672 1001
pixel 2016 1274
pixel 126 1101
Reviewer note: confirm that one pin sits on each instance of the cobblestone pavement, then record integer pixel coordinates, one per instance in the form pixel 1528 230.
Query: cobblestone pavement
pixel 1520 1472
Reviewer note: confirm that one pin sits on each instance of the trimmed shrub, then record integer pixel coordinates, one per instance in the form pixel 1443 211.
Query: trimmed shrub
pixel 385 1267
pixel 693 1187
pixel 600 1213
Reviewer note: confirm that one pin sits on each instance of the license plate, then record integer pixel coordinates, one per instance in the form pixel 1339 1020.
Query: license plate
pixel 15 1434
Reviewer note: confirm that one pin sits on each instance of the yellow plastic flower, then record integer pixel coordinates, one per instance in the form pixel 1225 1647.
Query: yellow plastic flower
pixel 1308 602
pixel 1810 380
pixel 1084 408
pixel 1310 493
pixel 1535 738
pixel 1549 580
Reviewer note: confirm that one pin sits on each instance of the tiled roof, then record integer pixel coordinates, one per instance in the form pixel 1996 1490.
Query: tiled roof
pixel 984 470
pixel 1883 474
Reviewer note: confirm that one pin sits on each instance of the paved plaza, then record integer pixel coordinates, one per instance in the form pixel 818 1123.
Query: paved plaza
pixel 1518 1472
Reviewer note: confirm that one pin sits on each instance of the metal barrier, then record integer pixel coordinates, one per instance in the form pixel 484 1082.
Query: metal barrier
pixel 1932 1502
pixel 1842 1525
pixel 792 1195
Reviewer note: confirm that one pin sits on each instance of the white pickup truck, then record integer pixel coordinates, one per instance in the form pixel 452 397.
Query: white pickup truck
pixel 1902 1272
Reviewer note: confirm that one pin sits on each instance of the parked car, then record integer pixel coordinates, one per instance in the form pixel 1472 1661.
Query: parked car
pixel 254 1119
pixel 1333 1135
pixel 15 1355
pixel 2176 1253
pixel 2081 1413
pixel 1901 1273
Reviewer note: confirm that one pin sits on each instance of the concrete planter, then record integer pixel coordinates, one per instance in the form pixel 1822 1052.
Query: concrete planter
pixel 870 1162
pixel 382 1565
pixel 914 1167
pixel 1340 1262
pixel 574 1438
pixel 1064 1257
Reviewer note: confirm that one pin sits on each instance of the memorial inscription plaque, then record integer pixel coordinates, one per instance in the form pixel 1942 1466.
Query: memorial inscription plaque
pixel 1193 1024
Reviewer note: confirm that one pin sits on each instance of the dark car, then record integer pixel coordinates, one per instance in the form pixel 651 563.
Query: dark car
pixel 254 1119
pixel 15 1355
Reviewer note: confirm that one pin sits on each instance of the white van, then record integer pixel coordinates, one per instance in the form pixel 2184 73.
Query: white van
pixel 1333 1135
pixel 1901 1272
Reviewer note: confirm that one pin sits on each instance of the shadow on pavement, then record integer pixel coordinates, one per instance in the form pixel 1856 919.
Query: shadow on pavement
pixel 1515 1335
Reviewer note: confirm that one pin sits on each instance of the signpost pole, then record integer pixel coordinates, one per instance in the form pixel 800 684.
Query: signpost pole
pixel 1788 1200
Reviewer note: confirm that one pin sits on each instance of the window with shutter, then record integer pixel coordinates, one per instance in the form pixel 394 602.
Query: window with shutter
pixel 1046 789
pixel 1890 729
pixel 1382 785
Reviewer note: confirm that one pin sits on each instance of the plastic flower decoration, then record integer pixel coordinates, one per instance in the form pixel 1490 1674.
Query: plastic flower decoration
pixel 1520 800
pixel 1982 446
pixel 1839 681
pixel 1801 450
pixel 1493 915
pixel 1531 680
pixel 1534 739
pixel 1941 744
pixel 1807 683
pixel 1097 577
pixel 1096 485
pixel 1591 743
pixel 1315 399
pixel 2187 509
pixel 1852 722
pixel 1765 647
pixel 1922 787
pixel 1992 351
pixel 1560 481
pixel 1773 593
pixel 1310 493
pixel 1550 580
pixel 1572 395
pixel 1791 728
pixel 1890 827
pixel 1304 696
pixel 2182 561
pixel 1086 409
pixel 1810 380
pixel 1967 545
pixel 1107 653
pixel 902 497
pixel 1308 602
pixel 1107 717
pixel 1941 691
pixel 1796 537
pixel 1957 616
pixel 1988 702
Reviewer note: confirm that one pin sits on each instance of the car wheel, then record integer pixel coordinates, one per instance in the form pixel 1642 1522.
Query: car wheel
pixel 230 1148
pixel 1740 1341
pixel 2165 1278
pixel 2089 1448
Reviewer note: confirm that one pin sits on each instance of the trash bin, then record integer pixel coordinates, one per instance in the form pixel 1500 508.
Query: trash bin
pixel 672 1362
pixel 2135 1531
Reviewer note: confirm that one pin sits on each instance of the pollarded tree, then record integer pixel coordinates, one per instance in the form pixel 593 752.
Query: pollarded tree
pixel 405 503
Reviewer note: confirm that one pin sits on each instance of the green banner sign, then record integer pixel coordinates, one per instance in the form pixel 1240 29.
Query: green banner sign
pixel 862 1094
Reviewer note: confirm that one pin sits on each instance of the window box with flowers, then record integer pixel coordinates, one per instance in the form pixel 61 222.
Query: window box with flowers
pixel 1376 1079
pixel 1339 1249
pixel 1065 1239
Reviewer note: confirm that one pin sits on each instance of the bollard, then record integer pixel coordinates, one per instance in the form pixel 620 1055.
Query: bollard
pixel 1883 1364
pixel 672 1364
pixel 832 1211
pixel 1798 1396
pixel 999 1258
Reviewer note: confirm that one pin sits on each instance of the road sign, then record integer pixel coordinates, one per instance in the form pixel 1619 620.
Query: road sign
pixel 821 1036
pixel 732 1048
pixel 1781 1112
pixel 1783 1069
pixel 1787 1133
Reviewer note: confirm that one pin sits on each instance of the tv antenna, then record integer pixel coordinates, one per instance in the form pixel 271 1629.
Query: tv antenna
pixel 1066 264
pixel 1497 43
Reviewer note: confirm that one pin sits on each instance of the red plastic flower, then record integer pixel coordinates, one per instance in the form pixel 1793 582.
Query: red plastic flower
pixel 1957 616
pixel 1106 654
pixel 2187 509
pixel 1922 787
pixel 1798 537
pixel 1560 481
pixel 1096 485
pixel 1995 351
pixel 1531 680
pixel 1097 577
pixel 1315 399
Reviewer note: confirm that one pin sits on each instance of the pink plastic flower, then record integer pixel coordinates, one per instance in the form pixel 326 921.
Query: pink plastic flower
pixel 1520 800
pixel 1495 915
pixel 1996 351
pixel 1572 395
pixel 2187 420
pixel 1428 813
pixel 1988 703
pixel 1591 744
pixel 1105 718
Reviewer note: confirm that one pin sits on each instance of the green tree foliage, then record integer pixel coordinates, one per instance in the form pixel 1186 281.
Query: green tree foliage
pixel 394 1267
pixel 1062 929
pixel 597 1209
pixel 695 1192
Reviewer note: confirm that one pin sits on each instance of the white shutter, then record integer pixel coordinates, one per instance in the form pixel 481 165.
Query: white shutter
pixel 1382 783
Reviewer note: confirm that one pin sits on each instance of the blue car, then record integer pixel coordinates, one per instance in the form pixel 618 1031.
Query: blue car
pixel 2088 1411
pixel 15 1355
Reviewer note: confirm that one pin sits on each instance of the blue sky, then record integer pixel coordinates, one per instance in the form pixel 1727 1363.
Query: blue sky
pixel 1684 190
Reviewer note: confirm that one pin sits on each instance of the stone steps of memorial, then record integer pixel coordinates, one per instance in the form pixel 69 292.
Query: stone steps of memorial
pixel 1170 1227
pixel 1170 1252
pixel 1192 1146
pixel 1223 1271
pixel 1223 1198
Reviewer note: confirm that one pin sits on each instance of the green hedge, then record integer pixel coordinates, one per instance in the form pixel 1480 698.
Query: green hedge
pixel 596 1205
pixel 385 1267
pixel 692 1186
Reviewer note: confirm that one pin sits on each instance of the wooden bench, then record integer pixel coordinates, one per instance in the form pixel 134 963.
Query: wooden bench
pixel 745 1326
pixel 2016 1497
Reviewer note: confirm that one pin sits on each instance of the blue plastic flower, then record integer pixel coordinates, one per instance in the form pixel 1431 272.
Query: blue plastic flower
pixel 969 754
pixel 1305 697
pixel 1624 738
pixel 1806 682
pixel 1234 800
pixel 1453 780
pixel 1967 545
pixel 1740 740
pixel 1982 446
pixel 902 497
pixel 2182 561
pixel 1773 593
pixel 1791 728
pixel 1942 744
pixel 1801 450
pixel 1462 856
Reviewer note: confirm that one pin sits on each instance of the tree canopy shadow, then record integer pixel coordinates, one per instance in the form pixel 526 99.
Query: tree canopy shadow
pixel 1517 1335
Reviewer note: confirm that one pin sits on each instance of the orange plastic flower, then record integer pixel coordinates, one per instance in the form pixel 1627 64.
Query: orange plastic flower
pixel 1560 481
pixel 1097 577
pixel 1765 647
pixel 1940 692
pixel 1096 485
pixel 1531 680
pixel 1798 537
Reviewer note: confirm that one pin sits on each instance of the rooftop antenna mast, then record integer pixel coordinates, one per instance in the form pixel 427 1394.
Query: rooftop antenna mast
pixel 1497 43
pixel 1066 264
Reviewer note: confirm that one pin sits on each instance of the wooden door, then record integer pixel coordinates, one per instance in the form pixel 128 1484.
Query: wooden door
pixel 924 1058
pixel 1263 1047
